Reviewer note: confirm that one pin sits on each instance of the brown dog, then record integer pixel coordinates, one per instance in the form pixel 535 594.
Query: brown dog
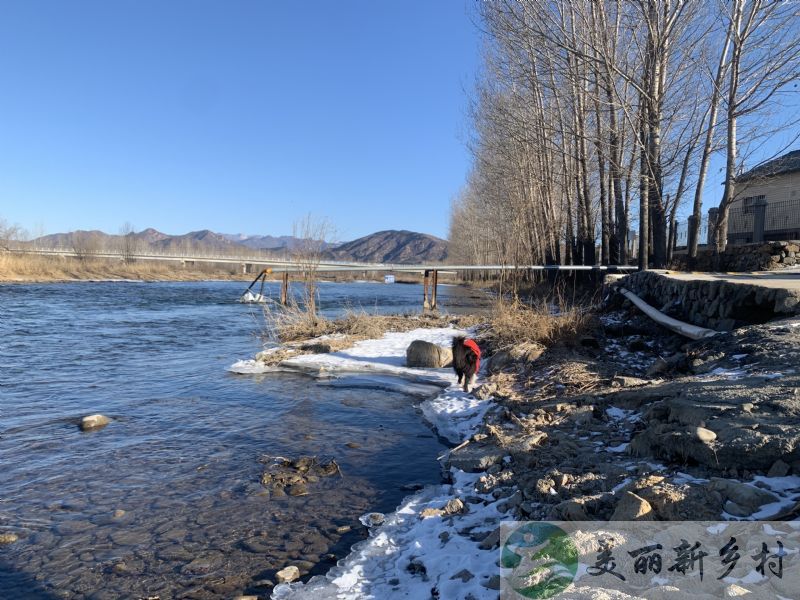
pixel 466 360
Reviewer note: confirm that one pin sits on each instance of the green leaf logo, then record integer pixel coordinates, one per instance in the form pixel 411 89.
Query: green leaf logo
pixel 543 558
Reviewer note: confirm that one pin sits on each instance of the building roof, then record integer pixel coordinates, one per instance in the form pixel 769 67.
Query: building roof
pixel 788 163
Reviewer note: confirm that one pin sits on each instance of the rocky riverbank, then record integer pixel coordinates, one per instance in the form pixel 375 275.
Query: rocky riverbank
pixel 629 422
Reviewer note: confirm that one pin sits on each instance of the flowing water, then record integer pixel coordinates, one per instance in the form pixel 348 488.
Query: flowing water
pixel 166 500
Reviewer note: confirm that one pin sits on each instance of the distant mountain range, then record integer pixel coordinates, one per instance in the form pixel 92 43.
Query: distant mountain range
pixel 393 247
pixel 384 246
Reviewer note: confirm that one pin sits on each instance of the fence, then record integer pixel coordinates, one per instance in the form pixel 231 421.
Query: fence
pixel 682 233
pixel 751 220
pixel 757 220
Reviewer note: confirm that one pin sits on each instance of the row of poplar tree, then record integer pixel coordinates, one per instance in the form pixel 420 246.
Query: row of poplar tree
pixel 593 118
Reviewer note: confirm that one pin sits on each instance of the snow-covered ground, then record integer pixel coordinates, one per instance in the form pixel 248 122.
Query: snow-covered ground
pixel 386 356
pixel 409 555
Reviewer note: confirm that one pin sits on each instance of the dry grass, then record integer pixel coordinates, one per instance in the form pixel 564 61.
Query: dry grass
pixel 29 268
pixel 514 324
pixel 293 323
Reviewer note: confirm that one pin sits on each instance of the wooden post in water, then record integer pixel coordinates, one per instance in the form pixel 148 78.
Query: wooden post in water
pixel 425 282
pixel 434 287
pixel 285 288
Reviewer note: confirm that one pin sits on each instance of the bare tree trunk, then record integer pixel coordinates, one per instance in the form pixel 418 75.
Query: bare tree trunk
pixel 694 224
pixel 721 226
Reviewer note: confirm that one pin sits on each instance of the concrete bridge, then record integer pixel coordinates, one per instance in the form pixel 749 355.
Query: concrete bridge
pixel 265 265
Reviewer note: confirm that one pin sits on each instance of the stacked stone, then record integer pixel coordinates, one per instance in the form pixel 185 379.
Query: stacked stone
pixel 719 305
pixel 765 256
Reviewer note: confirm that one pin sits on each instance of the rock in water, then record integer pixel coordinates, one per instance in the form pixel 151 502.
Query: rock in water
pixel 287 574
pixel 372 519
pixel 427 355
pixel 93 422
pixel 8 538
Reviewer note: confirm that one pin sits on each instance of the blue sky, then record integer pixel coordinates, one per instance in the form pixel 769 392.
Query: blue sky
pixel 234 115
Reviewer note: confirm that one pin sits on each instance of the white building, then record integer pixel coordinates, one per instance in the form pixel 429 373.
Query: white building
pixel 768 192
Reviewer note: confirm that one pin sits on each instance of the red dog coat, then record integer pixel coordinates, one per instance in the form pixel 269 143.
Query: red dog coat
pixel 476 351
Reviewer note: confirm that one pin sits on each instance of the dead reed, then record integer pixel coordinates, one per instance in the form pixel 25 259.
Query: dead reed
pixel 24 268
pixel 515 323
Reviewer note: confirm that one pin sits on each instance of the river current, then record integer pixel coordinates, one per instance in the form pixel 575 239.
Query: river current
pixel 166 500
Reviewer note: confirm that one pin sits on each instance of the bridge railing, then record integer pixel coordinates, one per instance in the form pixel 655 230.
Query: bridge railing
pixel 154 254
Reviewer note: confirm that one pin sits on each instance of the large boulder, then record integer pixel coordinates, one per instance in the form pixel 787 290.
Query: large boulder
pixel 428 356
pixel 631 507
pixel 475 457
pixel 746 499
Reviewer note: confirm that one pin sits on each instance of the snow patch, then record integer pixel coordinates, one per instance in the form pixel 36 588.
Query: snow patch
pixel 621 448
pixel 455 414
pixel 378 567
pixel 386 356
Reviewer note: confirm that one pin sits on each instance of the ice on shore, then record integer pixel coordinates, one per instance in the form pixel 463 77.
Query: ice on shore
pixel 408 556
pixel 248 367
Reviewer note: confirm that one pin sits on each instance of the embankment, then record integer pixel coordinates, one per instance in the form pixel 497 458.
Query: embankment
pixel 628 423
pixel 717 301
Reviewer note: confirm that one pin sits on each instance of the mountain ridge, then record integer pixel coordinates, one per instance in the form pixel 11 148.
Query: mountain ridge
pixel 387 246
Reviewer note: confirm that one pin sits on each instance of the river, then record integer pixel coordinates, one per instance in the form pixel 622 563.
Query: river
pixel 166 500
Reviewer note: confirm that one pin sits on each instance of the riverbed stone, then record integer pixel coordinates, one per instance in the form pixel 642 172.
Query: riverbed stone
pixel 287 574
pixel 297 490
pixel 8 538
pixel 130 537
pixel 424 354
pixel 257 545
pixel 94 422
pixel 73 527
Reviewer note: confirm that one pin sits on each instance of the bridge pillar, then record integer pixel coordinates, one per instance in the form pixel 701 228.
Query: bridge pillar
pixel 285 289
pixel 425 282
pixel 434 289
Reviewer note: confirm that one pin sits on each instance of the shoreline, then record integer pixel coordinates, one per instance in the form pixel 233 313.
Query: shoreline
pixel 454 416
pixel 574 445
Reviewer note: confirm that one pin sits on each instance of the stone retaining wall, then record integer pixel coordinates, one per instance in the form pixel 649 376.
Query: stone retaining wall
pixel 764 256
pixel 719 305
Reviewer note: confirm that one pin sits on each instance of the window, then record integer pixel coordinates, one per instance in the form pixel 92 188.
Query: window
pixel 747 203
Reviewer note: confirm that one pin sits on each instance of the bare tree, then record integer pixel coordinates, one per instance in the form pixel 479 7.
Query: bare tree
pixel 765 50
pixel 85 244
pixel 315 235
pixel 127 241
pixel 9 232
